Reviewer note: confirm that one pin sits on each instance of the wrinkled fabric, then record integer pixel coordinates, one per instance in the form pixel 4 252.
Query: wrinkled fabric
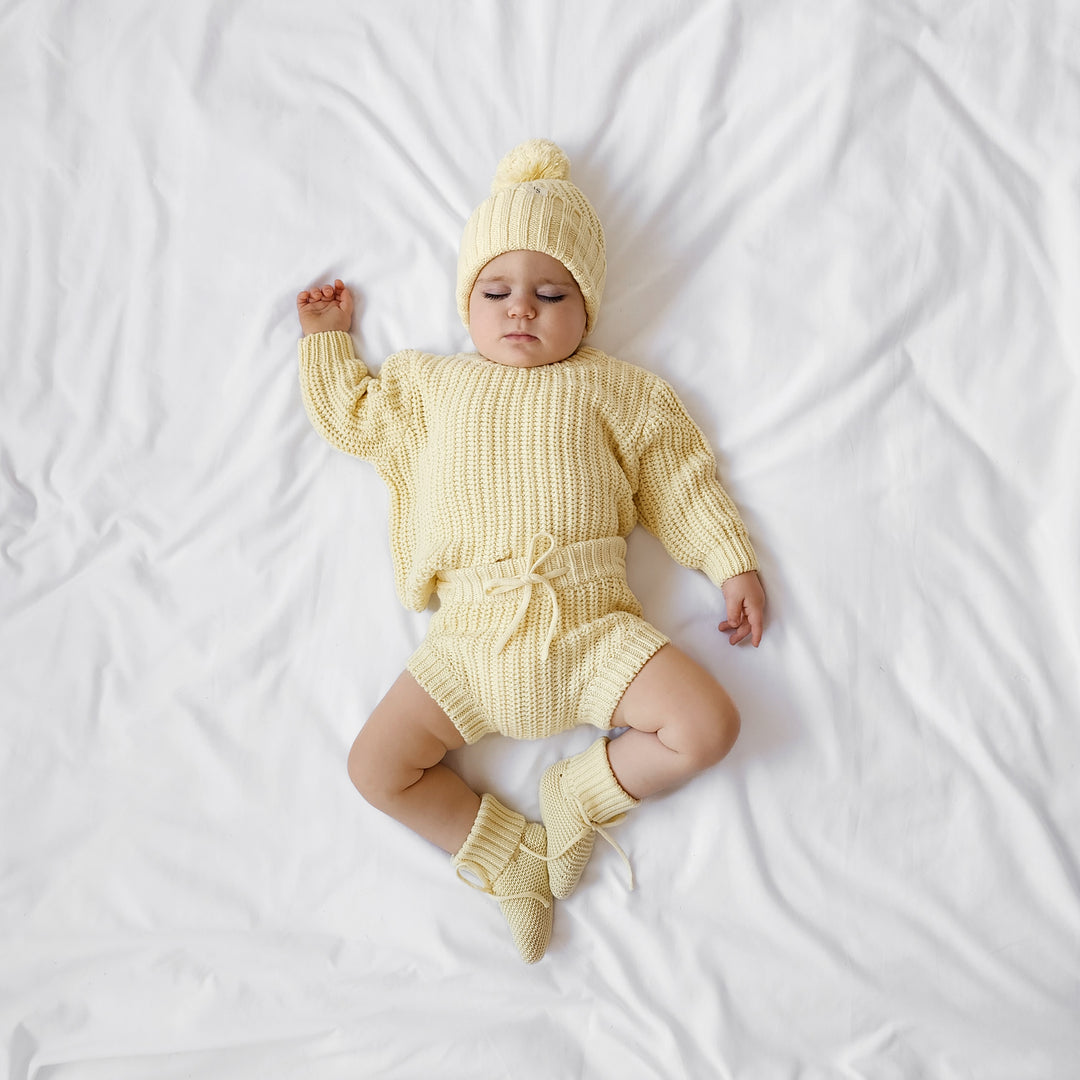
pixel 846 233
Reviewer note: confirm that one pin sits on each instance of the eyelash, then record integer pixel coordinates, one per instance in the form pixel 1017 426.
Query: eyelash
pixel 541 298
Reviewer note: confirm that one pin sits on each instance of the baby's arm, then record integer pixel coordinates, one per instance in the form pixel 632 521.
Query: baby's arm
pixel 325 307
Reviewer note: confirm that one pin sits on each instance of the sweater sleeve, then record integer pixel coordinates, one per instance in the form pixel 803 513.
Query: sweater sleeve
pixel 679 497
pixel 359 413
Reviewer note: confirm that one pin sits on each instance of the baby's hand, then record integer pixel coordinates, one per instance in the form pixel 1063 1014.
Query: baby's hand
pixel 745 608
pixel 326 307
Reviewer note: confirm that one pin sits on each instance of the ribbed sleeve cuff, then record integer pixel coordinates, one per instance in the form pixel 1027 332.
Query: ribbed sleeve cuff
pixel 329 345
pixel 736 556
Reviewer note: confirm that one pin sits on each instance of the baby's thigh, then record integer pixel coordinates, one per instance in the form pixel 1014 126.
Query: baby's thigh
pixel 407 732
pixel 675 697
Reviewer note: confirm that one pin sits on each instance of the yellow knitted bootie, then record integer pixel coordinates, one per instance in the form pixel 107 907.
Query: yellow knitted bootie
pixel 578 797
pixel 506 854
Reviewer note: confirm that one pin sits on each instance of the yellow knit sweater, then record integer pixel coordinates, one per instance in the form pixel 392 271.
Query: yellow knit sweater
pixel 479 457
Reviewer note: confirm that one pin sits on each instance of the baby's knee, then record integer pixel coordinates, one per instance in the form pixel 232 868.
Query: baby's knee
pixel 367 774
pixel 716 732
pixel 730 725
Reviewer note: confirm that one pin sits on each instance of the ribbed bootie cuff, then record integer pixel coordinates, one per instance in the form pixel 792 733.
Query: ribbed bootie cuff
pixel 492 840
pixel 588 775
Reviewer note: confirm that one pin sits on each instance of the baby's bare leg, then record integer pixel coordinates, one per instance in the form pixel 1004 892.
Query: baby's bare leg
pixel 682 719
pixel 395 765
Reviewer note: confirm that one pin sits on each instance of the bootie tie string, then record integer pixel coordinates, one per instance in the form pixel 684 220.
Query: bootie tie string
pixel 486 886
pixel 587 826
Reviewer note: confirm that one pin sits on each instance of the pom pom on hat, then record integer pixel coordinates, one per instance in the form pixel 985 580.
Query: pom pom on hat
pixel 537 159
pixel 533 206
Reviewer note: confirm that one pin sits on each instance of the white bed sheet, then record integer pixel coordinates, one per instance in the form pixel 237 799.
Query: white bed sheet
pixel 847 232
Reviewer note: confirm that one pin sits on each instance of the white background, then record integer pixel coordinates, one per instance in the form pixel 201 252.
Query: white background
pixel 847 232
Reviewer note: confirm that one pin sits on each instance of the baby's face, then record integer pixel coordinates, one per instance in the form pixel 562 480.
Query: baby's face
pixel 526 310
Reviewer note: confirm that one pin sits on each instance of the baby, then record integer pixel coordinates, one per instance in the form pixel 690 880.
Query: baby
pixel 515 474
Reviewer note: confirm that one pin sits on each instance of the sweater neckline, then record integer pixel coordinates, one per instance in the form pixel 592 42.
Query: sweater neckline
pixel 583 355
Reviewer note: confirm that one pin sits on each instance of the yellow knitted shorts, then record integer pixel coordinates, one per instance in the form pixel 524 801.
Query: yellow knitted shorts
pixel 531 646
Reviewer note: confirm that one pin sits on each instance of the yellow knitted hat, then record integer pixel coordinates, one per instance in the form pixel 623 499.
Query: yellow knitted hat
pixel 533 206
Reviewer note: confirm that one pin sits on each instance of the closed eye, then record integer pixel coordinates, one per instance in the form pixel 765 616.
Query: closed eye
pixel 542 297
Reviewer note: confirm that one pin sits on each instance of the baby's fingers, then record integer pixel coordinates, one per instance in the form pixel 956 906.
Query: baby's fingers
pixel 745 602
pixel 748 622
pixel 344 296
pixel 755 625
pixel 738 626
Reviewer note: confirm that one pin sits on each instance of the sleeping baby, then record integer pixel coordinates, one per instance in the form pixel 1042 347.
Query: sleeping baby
pixel 515 474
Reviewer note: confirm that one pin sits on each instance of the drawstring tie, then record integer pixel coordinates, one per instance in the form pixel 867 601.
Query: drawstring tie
pixel 587 826
pixel 526 582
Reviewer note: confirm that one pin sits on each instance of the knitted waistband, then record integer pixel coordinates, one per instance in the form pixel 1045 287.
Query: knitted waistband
pixel 567 566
